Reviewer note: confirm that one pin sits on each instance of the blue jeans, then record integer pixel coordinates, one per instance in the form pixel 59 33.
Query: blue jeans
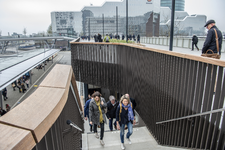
pixel 110 124
pixel 130 131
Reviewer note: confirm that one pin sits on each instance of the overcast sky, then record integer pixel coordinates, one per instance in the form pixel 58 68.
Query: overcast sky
pixel 35 15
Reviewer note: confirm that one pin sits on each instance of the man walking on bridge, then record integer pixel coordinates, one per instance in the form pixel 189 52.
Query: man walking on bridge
pixel 194 42
pixel 214 36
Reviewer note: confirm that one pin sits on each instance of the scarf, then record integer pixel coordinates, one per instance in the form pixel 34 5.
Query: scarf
pixel 130 112
pixel 100 111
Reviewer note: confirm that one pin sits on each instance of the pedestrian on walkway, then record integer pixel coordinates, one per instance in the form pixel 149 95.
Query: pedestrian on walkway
pixel 106 39
pixel 112 105
pixel 27 83
pixel 7 107
pixel 99 38
pixel 134 37
pixel 86 111
pixel 2 111
pixel 13 86
pixel 97 114
pixel 194 42
pixel 4 93
pixel 23 87
pixel 96 38
pixel 138 38
pixel 211 40
pixel 125 116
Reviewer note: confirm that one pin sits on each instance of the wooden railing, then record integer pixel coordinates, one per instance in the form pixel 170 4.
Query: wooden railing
pixel 166 85
pixel 39 122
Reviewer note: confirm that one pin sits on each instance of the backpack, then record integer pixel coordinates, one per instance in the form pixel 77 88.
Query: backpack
pixel 107 39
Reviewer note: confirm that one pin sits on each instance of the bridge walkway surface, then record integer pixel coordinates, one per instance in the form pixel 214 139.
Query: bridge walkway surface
pixel 180 50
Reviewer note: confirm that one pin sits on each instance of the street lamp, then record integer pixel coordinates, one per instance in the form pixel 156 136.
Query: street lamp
pixel 127 20
pixel 172 25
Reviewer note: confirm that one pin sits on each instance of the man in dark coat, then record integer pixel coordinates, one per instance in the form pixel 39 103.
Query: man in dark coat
pixel 138 38
pixel 210 42
pixel 123 37
pixel 194 42
pixel 111 111
pixel 99 38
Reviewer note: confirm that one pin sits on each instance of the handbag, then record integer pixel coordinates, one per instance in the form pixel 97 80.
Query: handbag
pixel 213 55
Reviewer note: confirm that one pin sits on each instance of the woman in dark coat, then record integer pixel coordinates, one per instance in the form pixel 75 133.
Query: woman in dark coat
pixel 97 114
pixel 125 116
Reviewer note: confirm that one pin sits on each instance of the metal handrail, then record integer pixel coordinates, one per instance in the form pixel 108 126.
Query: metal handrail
pixel 195 115
pixel 37 38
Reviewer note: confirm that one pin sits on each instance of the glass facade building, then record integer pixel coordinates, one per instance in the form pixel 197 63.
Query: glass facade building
pixel 78 21
pixel 179 4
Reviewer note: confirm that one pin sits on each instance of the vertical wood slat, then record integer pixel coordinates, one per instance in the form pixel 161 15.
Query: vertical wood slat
pixel 218 103
pixel 192 85
pixel 185 70
pixel 209 132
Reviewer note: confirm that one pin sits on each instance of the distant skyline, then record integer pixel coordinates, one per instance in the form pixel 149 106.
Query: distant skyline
pixel 35 15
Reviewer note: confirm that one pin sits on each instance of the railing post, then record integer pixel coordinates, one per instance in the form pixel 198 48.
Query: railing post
pixel 1 102
pixel 183 43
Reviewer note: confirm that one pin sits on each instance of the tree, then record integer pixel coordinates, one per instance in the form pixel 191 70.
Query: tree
pixel 49 31
pixel 0 32
pixel 24 31
pixel 165 29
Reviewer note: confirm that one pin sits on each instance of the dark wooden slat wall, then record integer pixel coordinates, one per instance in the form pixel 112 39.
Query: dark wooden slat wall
pixel 164 87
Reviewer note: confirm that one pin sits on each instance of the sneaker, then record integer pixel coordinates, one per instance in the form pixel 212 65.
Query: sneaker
pixel 102 142
pixel 122 146
pixel 129 141
pixel 96 135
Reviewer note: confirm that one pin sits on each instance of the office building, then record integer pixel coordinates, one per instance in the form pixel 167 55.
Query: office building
pixel 179 4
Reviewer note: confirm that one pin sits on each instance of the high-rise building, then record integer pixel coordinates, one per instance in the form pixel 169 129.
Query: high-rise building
pixel 179 4
pixel 141 13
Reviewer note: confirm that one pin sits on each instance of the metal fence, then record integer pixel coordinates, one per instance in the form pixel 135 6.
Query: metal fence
pixel 183 42
pixel 166 85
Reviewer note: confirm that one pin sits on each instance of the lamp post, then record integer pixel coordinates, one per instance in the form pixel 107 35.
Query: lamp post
pixel 172 25
pixel 127 21
pixel 103 25
pixel 117 22
pixel 89 30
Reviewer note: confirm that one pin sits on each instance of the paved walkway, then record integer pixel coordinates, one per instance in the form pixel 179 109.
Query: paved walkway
pixel 180 50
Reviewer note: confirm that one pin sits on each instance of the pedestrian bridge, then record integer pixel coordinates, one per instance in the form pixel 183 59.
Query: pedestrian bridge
pixel 180 99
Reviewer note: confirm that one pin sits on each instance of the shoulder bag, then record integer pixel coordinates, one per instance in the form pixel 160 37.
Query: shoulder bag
pixel 213 55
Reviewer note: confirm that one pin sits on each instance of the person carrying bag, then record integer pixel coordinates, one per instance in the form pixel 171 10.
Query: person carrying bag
pixel 213 43
pixel 213 55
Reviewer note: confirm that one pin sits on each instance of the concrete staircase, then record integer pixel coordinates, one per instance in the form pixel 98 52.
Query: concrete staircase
pixel 141 140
